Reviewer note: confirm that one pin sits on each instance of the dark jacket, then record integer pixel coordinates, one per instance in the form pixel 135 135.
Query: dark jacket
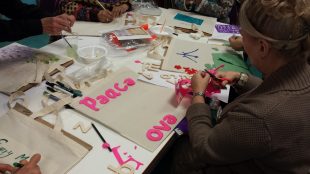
pixel 24 20
pixel 265 130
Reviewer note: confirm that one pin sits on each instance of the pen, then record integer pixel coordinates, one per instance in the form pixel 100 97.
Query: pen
pixel 75 92
pixel 51 96
pixel 66 41
pixel 18 165
pixel 58 88
pixel 101 137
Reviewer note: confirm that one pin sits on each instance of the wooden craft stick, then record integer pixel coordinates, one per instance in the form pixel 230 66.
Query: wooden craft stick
pixel 171 81
pixel 162 27
pixel 154 70
pixel 103 8
pixel 165 76
pixel 81 125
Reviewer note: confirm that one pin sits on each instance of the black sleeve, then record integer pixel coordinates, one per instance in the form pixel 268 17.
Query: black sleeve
pixel 13 30
pixel 16 10
pixel 25 20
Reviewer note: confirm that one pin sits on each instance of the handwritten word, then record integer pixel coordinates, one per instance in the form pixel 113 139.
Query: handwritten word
pixel 109 94
pixel 120 159
pixel 3 151
pixel 155 133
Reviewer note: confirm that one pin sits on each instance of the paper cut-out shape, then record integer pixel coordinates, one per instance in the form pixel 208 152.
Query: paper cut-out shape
pixel 123 169
pixel 120 159
pixel 83 128
pixel 155 134
pixel 183 53
pixel 189 19
pixel 189 55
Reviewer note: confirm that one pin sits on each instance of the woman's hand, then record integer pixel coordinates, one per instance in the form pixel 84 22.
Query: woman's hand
pixel 236 43
pixel 119 10
pixel 31 166
pixel 54 25
pixel 105 16
pixel 232 76
pixel 6 167
pixel 199 83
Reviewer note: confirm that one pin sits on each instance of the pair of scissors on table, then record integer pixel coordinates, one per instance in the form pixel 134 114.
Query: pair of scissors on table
pixel 217 80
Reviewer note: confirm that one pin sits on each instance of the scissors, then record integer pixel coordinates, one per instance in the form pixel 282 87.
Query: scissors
pixel 216 79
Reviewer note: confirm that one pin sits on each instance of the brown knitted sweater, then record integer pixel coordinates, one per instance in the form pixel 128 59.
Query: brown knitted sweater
pixel 265 130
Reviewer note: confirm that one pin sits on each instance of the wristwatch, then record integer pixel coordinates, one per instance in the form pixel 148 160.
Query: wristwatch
pixel 243 79
pixel 198 94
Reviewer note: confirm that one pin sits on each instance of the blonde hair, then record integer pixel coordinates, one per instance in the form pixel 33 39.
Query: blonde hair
pixel 285 24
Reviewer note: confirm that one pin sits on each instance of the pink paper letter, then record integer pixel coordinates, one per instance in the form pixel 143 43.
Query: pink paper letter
pixel 125 88
pixel 154 134
pixel 130 81
pixel 121 161
pixel 170 119
pixel 102 99
pixel 89 102
pixel 111 93
pixel 164 126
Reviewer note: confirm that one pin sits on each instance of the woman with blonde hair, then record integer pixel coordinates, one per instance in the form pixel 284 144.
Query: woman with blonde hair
pixel 267 128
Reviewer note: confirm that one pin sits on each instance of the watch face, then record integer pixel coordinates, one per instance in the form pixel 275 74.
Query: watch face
pixel 243 79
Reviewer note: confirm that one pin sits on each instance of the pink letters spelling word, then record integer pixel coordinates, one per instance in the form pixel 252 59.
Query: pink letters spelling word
pixel 108 94
pixel 155 133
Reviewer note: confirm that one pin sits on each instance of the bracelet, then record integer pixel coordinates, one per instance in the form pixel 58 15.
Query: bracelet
pixel 198 94
pixel 243 79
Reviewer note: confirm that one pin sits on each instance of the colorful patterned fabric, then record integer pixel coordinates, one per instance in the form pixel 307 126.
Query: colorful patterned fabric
pixel 87 10
pixel 219 9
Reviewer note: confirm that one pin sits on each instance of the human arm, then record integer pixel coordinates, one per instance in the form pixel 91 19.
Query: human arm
pixel 240 136
pixel 219 9
pixel 12 30
pixel 25 20
pixel 91 11
pixel 6 167
pixel 236 43
pixel 15 9
pixel 234 77
pixel 54 25
pixel 81 11
pixel 29 167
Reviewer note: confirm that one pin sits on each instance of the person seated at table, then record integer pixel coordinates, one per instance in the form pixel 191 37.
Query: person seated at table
pixel 267 128
pixel 28 20
pixel 29 167
pixel 219 9
pixel 92 10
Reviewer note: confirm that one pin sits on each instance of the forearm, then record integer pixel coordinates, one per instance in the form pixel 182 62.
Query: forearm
pixel 251 83
pixel 81 11
pixel 219 9
pixel 17 10
pixel 15 30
